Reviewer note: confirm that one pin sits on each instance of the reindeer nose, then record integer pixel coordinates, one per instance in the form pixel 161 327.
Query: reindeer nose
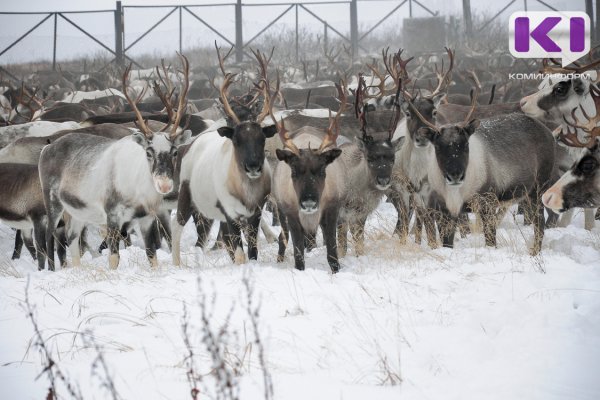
pixel 455 179
pixel 523 102
pixel 383 182
pixel 163 185
pixel 552 200
pixel 253 170
pixel 308 206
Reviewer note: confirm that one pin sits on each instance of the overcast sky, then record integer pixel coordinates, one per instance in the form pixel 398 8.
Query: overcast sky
pixel 72 43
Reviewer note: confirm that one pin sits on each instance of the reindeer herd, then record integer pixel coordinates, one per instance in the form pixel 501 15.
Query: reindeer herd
pixel 155 148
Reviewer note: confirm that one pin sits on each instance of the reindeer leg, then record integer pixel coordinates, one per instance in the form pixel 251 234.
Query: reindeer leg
pixel 233 241
pixel 357 231
pixel 18 246
pixel 54 211
pixel 297 240
pixel 39 235
pixel 183 214
pixel 328 226
pixel 284 236
pixel 253 225
pixel 342 236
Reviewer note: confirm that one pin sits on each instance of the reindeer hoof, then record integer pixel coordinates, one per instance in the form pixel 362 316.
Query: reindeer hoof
pixel 239 256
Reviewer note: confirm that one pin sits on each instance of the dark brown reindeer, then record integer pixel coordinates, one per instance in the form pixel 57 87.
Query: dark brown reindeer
pixel 309 187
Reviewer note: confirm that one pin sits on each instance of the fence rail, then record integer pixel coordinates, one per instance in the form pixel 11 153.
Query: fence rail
pixel 120 48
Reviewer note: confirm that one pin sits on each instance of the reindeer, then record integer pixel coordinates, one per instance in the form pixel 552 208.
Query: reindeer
pixel 488 163
pixel 410 188
pixel 580 185
pixel 368 164
pixel 309 187
pixel 564 89
pixel 224 174
pixel 101 181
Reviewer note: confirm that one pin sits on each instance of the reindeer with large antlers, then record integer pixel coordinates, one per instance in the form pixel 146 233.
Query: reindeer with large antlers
pixel 224 174
pixel 488 164
pixel 97 180
pixel 309 185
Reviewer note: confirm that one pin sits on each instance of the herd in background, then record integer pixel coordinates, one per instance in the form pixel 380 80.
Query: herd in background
pixel 159 147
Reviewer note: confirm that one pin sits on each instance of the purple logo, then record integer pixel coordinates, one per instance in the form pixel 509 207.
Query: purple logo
pixel 540 34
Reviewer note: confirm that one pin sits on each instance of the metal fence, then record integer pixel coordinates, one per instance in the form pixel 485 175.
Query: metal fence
pixel 353 38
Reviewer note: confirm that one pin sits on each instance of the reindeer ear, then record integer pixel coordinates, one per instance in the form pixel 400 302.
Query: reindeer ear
pixel 330 155
pixel 285 155
pixel 269 131
pixel 438 98
pixel 183 138
pixel 226 131
pixel 471 126
pixel 140 139
pixel 396 144
pixel 427 133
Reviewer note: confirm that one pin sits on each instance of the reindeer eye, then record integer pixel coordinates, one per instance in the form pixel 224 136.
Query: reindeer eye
pixel 149 154
pixel 407 114
pixel 560 90
pixel 434 113
pixel 588 165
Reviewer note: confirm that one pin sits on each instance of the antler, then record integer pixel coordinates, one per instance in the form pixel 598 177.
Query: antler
pixel 140 120
pixel 473 105
pixel 590 127
pixel 333 130
pixel 283 132
pixel 264 86
pixel 556 68
pixel 182 104
pixel 359 110
pixel 229 77
pixel 443 78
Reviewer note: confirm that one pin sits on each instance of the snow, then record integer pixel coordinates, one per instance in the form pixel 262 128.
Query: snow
pixel 463 323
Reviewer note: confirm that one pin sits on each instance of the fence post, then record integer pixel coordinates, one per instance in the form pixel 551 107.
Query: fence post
pixel 119 34
pixel 326 39
pixel 296 32
pixel 354 28
pixel 239 38
pixel 410 8
pixel 54 43
pixel 180 28
pixel 597 19
pixel 467 18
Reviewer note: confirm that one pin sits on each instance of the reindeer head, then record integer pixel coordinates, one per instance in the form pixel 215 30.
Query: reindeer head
pixel 308 166
pixel 558 93
pixel 161 147
pixel 451 143
pixel 246 133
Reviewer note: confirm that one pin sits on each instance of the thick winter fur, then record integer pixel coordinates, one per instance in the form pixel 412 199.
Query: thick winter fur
pixel 555 100
pixel 502 160
pixel 22 204
pixel 368 165
pixel 27 150
pixel 410 188
pixel 101 181
pixel 225 176
pixel 309 190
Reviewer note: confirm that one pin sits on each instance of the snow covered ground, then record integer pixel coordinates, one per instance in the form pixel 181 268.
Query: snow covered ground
pixel 402 322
